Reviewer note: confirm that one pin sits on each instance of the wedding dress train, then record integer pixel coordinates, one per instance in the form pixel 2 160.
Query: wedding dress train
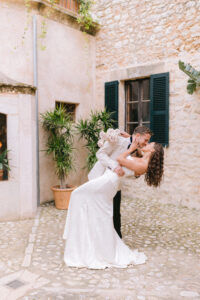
pixel 91 240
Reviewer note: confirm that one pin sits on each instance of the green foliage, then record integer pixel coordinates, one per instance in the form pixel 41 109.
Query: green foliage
pixel 58 125
pixel 43 32
pixel 4 164
pixel 90 129
pixel 194 75
pixel 85 17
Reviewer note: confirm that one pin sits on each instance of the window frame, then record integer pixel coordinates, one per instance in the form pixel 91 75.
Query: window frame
pixel 57 102
pixel 139 101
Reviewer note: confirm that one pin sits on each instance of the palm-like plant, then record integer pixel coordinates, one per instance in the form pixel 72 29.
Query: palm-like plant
pixel 90 129
pixel 194 75
pixel 58 125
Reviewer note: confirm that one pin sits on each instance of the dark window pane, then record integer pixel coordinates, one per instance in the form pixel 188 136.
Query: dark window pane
pixel 3 142
pixel 128 92
pixel 145 111
pixel 3 133
pixel 69 107
pixel 132 112
pixel 145 89
pixel 137 112
pixel 131 127
pixel 134 91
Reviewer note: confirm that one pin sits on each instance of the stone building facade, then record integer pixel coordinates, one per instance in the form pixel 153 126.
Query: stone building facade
pixel 137 41
pixel 141 38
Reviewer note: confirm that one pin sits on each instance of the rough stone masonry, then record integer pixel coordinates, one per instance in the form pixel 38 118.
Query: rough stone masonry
pixel 140 38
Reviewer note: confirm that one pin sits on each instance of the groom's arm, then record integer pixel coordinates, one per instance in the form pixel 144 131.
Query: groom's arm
pixel 103 155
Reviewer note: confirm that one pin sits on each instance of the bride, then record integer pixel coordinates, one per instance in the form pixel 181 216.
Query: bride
pixel 91 240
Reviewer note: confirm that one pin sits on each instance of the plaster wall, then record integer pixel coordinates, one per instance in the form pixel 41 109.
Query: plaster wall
pixel 66 73
pixel 18 193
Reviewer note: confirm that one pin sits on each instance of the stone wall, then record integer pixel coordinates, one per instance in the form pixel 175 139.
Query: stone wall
pixel 140 38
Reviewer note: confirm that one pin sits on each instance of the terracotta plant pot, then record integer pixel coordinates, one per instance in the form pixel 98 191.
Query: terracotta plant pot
pixel 62 196
pixel 1 174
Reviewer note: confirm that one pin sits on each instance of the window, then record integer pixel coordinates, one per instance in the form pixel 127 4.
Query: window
pixel 137 104
pixel 72 5
pixel 147 103
pixel 3 141
pixel 70 108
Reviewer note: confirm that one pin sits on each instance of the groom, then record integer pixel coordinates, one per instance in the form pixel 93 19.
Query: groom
pixel 107 155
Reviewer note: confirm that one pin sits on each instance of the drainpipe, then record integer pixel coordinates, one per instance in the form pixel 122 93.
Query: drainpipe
pixel 35 74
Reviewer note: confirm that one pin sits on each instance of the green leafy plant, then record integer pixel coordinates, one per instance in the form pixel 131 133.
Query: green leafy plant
pixel 58 125
pixel 194 75
pixel 90 129
pixel 85 18
pixel 4 163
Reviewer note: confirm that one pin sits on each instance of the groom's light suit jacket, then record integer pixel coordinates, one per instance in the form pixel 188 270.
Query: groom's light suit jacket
pixel 107 156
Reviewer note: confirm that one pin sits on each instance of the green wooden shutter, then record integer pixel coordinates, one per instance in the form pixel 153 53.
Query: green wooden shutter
pixel 111 99
pixel 159 108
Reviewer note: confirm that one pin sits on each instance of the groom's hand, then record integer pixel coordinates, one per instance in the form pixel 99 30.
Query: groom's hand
pixel 119 171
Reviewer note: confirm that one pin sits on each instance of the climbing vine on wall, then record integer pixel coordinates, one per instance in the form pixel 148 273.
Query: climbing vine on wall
pixel 85 18
pixel 43 28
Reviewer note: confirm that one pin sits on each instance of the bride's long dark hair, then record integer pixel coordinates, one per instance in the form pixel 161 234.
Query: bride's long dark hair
pixel 155 168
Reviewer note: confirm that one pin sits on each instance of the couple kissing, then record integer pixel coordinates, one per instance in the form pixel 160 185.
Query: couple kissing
pixel 93 225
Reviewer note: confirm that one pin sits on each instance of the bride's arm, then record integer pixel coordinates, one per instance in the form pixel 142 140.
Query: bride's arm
pixel 138 165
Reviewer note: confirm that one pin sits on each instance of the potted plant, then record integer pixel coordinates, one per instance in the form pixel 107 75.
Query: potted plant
pixel 4 165
pixel 58 125
pixel 90 129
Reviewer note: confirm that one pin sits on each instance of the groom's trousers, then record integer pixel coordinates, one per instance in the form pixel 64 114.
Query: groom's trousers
pixel 116 213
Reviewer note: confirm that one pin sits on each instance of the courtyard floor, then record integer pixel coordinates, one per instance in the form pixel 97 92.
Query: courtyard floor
pixel 32 268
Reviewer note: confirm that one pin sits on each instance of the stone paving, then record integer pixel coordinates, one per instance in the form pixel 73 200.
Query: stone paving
pixel 32 267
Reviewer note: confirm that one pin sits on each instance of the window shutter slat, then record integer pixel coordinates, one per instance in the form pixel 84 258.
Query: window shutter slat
pixel 111 99
pixel 159 108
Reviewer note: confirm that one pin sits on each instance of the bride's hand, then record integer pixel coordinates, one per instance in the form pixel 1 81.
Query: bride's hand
pixel 135 144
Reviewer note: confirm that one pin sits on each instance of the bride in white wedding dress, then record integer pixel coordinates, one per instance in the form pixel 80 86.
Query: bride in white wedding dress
pixel 91 240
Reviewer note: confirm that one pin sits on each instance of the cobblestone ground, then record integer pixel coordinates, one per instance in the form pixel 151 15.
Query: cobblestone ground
pixel 32 267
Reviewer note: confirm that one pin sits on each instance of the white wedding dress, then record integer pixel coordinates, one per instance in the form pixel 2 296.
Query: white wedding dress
pixel 91 240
